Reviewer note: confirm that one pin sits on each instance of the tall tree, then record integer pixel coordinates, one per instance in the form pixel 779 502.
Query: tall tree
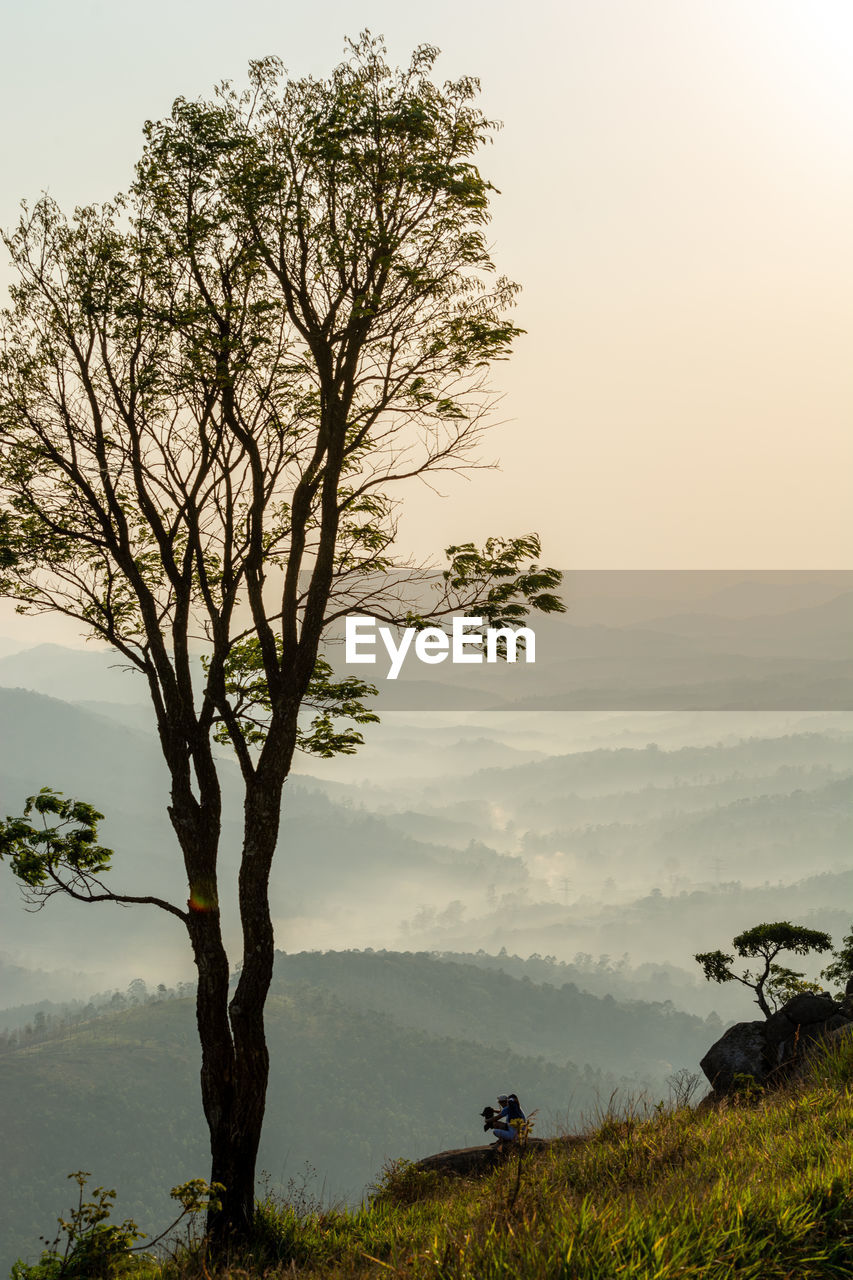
pixel 209 389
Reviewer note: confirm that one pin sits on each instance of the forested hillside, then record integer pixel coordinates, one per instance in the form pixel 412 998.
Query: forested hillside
pixel 561 1024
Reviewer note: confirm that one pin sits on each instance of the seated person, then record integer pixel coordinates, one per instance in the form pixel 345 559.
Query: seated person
pixel 502 1124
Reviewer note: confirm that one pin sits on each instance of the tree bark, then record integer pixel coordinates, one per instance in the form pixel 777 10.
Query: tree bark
pixel 218 1075
pixel 235 1059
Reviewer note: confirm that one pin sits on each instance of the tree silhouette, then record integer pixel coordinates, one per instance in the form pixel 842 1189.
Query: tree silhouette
pixel 765 942
pixel 211 391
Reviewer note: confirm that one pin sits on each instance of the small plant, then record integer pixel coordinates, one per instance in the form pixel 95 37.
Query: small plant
pixel 281 1231
pixel 298 1195
pixel 523 1129
pixel 402 1182
pixel 86 1245
pixel 89 1247
pixel 683 1083
pixel 747 1089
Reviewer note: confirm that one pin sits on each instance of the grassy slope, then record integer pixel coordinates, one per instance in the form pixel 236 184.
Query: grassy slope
pixel 119 1097
pixel 761 1190
pixel 755 1191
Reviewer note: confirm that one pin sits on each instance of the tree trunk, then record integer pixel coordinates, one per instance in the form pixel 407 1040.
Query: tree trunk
pixel 235 1059
pixel 234 1152
pixel 234 1073
pixel 218 1074
pixel 234 1055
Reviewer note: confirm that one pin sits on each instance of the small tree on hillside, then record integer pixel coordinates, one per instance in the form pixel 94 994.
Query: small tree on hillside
pixel 772 983
pixel 209 391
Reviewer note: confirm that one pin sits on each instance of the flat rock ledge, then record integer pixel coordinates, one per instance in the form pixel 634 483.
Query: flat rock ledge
pixel 465 1161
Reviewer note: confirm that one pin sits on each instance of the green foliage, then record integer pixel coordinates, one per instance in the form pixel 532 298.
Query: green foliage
pixel 784 983
pixel 87 1246
pixel 766 941
pixel 831 1063
pixel 746 1088
pixel 90 1247
pixel 402 1182
pixel 38 853
pixel 505 592
pixel 841 969
pixel 247 687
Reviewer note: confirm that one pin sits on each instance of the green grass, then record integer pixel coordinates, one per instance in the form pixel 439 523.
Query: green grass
pixel 756 1190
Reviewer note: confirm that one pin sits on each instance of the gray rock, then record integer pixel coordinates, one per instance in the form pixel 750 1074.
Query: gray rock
pixel 778 1029
pixel 802 1020
pixel 480 1160
pixel 798 1045
pixel 804 1009
pixel 809 1047
pixel 740 1051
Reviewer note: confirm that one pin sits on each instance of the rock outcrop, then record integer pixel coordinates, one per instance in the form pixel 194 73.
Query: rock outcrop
pixel 740 1051
pixel 768 1052
pixel 847 1002
pixel 466 1161
pixel 771 1050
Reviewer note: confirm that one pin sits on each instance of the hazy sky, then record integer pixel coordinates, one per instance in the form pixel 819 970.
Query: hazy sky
pixel 677 202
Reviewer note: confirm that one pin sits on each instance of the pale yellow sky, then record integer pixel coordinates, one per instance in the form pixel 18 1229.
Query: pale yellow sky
pixel 677 202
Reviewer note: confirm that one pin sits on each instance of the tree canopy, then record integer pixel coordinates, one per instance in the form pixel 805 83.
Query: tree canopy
pixel 213 392
pixel 765 942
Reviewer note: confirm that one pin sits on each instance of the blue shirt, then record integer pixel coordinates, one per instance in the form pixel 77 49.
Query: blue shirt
pixel 512 1111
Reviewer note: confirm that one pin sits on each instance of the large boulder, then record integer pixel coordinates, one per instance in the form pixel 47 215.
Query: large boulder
pixel 739 1051
pixel 793 1052
pixel 770 1051
pixel 833 1031
pixel 847 1001
pixel 800 1020
pixel 841 1034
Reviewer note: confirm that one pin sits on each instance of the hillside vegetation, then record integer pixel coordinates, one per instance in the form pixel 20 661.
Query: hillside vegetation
pixel 759 1188
pixel 350 1086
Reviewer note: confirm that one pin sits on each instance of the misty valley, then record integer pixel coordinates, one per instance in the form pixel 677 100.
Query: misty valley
pixel 477 900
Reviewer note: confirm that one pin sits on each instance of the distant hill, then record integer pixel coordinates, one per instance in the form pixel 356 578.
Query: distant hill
pixel 20 985
pixel 120 770
pixel 422 861
pixel 671 926
pixel 739 657
pixel 821 630
pixel 494 1008
pixel 72 674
